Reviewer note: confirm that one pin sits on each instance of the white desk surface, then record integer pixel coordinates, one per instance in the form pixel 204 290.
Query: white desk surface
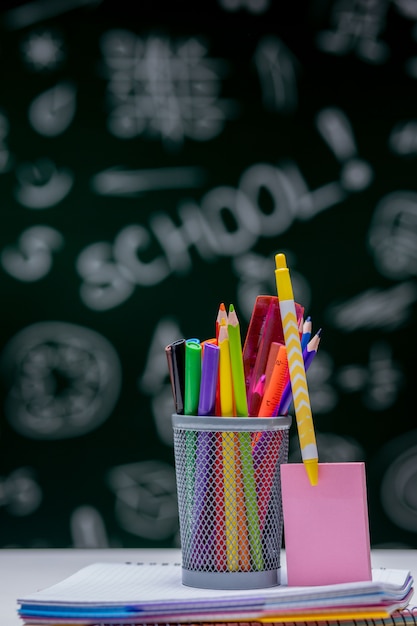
pixel 25 571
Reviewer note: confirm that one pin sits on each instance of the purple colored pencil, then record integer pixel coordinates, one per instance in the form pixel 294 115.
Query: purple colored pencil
pixel 309 353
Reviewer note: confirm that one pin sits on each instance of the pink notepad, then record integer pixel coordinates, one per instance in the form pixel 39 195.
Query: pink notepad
pixel 326 527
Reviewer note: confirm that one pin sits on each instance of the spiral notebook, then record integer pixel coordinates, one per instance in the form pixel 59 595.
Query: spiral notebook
pixel 406 617
pixel 129 593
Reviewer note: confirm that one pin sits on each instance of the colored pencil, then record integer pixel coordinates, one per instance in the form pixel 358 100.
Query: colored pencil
pixel 308 355
pixel 244 445
pixel 229 471
pixel 306 335
pixel 272 355
pixel 273 391
pixel 221 318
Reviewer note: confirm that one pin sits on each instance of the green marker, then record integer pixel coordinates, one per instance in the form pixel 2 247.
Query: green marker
pixel 191 397
pixel 192 377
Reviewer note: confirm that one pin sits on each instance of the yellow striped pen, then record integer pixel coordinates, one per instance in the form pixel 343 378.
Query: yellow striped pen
pixel 298 378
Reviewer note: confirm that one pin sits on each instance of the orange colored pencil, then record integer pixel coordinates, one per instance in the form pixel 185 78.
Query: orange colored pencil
pixel 273 391
pixel 221 318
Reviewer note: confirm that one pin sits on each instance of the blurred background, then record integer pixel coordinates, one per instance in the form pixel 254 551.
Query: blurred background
pixel 154 157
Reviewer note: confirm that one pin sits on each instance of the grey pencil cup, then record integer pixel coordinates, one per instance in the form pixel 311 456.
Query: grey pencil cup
pixel 229 499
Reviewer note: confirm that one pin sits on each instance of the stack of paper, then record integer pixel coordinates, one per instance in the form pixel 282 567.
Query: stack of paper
pixel 110 593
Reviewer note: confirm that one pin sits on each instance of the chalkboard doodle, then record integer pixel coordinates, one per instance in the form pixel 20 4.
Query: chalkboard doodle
pixel 386 309
pixel 106 282
pixel 146 498
pixel 252 6
pixel 278 70
pixel 392 235
pixel 154 380
pixel 31 259
pixel 411 63
pixel 88 529
pixel 6 158
pixel 43 50
pixel 20 492
pixel 119 182
pixel 355 176
pixel 163 88
pixel 52 111
pixel 379 382
pixel 42 184
pixel 356 27
pixel 359 27
pixel 399 480
pixel 42 10
pixel 63 380
pixel 336 130
pixel 403 138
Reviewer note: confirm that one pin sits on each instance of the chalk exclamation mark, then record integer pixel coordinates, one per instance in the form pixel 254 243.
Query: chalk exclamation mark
pixel 335 128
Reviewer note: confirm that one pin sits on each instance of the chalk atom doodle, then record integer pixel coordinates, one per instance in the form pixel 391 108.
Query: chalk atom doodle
pixel 63 380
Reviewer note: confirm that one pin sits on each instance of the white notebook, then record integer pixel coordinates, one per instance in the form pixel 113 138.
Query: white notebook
pixel 154 592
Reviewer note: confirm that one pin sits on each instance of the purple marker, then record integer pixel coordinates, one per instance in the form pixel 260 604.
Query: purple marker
pixel 201 540
pixel 208 385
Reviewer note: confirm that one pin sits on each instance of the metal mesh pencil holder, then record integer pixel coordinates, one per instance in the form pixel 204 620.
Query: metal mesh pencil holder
pixel 229 499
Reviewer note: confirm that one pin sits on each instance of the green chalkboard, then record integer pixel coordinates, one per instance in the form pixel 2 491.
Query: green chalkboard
pixel 154 157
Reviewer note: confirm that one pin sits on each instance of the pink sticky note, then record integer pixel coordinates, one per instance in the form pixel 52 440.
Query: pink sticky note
pixel 326 526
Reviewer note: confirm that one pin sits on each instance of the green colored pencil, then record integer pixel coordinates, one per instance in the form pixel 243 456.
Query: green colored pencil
pixel 249 484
